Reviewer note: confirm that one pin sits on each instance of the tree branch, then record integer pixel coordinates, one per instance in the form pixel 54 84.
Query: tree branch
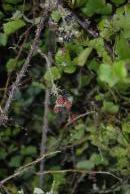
pixel 26 64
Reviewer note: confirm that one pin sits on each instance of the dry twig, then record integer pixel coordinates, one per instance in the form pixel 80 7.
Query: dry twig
pixel 80 171
pixel 26 167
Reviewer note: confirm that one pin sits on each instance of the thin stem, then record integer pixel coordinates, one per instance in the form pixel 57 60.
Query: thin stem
pixel 44 134
pixel 54 88
pixel 79 171
pixel 25 167
pixel 78 117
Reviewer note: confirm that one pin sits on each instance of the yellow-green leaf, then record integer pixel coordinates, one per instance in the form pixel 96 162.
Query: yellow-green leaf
pixel 83 56
pixel 12 26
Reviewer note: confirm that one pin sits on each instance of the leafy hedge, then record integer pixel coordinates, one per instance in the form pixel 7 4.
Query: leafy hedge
pixel 89 41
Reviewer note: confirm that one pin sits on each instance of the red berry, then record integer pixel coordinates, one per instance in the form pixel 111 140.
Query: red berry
pixel 60 100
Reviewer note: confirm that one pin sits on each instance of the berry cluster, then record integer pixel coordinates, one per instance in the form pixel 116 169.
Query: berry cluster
pixel 62 102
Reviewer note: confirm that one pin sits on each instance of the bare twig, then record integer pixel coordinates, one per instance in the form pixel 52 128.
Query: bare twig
pixel 54 89
pixel 45 117
pixel 80 171
pixel 44 133
pixel 25 66
pixel 78 117
pixel 25 167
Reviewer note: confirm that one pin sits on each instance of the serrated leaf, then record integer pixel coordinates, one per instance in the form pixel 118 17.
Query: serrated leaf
pixel 12 26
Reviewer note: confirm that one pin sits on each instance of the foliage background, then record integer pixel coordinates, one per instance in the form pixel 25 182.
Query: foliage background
pixel 90 48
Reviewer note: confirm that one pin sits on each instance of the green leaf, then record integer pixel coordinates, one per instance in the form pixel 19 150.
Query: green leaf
pixel 113 74
pixel 15 161
pixel 12 26
pixel 99 45
pixel 79 3
pixel 59 179
pixel 96 6
pixel 56 16
pixel 97 159
pixel 122 47
pixel 8 7
pixel 53 73
pixel 3 154
pixel 126 127
pixel 110 107
pixel 3 39
pixel 38 85
pixel 14 2
pixel 85 164
pixel 105 74
pixel 119 152
pixel 69 68
pixel 1 14
pixel 29 150
pixel 84 80
pixel 93 65
pixel 11 64
pixel 83 56
pixel 118 2
pixel 119 71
